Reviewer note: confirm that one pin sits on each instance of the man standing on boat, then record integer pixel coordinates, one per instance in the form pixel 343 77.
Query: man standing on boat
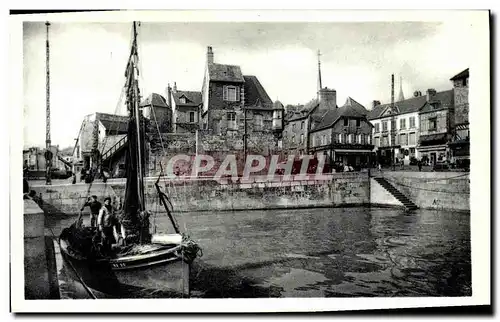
pixel 95 207
pixel 107 222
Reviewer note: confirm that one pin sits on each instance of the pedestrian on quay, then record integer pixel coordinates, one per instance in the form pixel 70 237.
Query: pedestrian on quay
pixel 419 163
pixel 95 207
pixel 380 167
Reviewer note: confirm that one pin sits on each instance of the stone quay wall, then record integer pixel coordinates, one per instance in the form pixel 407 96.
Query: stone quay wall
pixel 433 190
pixel 334 190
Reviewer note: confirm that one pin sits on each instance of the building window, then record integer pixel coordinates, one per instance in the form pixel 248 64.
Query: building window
pixel 259 122
pixel 377 127
pixel 346 122
pixel 302 125
pixel 231 120
pixel 369 139
pixel 412 122
pixel 323 140
pixel 358 122
pixel 377 141
pixel 339 138
pixel 433 124
pixel 402 124
pixel 293 126
pixel 351 138
pixel 191 117
pixel 231 93
pixel 412 138
pixel 385 140
pixel 293 139
pixel 403 139
pixel 301 138
pixel 384 126
pixel 183 100
pixel 359 139
pixel 393 125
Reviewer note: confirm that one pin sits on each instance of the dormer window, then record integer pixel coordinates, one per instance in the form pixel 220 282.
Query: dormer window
pixel 183 100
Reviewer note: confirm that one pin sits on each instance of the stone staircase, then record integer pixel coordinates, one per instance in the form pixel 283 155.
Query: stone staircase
pixel 409 205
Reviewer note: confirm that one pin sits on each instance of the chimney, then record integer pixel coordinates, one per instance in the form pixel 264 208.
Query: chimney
pixel 431 94
pixel 375 104
pixel 175 87
pixel 210 55
pixel 417 93
pixel 392 91
pixel 169 96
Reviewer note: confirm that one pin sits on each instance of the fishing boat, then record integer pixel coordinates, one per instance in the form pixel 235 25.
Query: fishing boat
pixel 139 260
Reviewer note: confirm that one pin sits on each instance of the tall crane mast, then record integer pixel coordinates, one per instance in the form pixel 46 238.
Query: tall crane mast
pixel 48 153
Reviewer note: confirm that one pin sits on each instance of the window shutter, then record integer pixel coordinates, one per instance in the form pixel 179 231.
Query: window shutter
pixel 224 95
pixel 237 94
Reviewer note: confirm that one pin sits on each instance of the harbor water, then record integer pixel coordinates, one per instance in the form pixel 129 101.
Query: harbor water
pixel 338 252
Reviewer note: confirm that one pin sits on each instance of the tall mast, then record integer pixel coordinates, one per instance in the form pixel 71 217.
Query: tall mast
pixel 48 154
pixel 135 61
pixel 319 73
pixel 393 122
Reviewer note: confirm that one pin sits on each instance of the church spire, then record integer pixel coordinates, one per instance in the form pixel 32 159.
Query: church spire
pixel 319 73
pixel 401 96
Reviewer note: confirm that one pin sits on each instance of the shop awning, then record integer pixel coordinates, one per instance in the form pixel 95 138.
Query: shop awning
pixel 433 139
pixel 346 151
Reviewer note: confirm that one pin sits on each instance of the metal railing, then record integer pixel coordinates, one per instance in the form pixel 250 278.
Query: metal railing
pixel 114 148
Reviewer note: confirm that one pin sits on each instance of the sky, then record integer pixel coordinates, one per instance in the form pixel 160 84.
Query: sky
pixel 87 63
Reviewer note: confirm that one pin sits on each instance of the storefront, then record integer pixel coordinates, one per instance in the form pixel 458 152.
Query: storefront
pixel 355 155
pixel 460 153
pixel 387 155
pixel 434 148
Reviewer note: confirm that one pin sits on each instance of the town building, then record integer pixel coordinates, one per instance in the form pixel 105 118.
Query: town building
pixel 300 120
pixel 397 128
pixel 156 109
pixel 343 135
pixel 234 104
pixel 404 119
pixel 185 109
pixel 460 142
pixel 436 126
pixel 105 133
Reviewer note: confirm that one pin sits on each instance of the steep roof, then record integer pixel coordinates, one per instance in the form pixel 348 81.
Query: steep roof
pixel 349 109
pixel 410 105
pixel 278 105
pixel 356 106
pixel 462 74
pixel 441 101
pixel 302 111
pixel 192 98
pixel 255 94
pixel 114 124
pixel 156 100
pixel 225 73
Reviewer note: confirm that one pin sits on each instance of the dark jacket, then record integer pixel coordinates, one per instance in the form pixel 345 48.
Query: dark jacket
pixel 95 206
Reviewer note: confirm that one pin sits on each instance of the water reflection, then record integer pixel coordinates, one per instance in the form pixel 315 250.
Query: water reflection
pixel 326 253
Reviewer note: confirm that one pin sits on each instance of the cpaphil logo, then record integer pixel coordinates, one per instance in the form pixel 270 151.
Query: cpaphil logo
pixel 300 167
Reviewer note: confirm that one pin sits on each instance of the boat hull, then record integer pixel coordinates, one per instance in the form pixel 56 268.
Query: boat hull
pixel 160 274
